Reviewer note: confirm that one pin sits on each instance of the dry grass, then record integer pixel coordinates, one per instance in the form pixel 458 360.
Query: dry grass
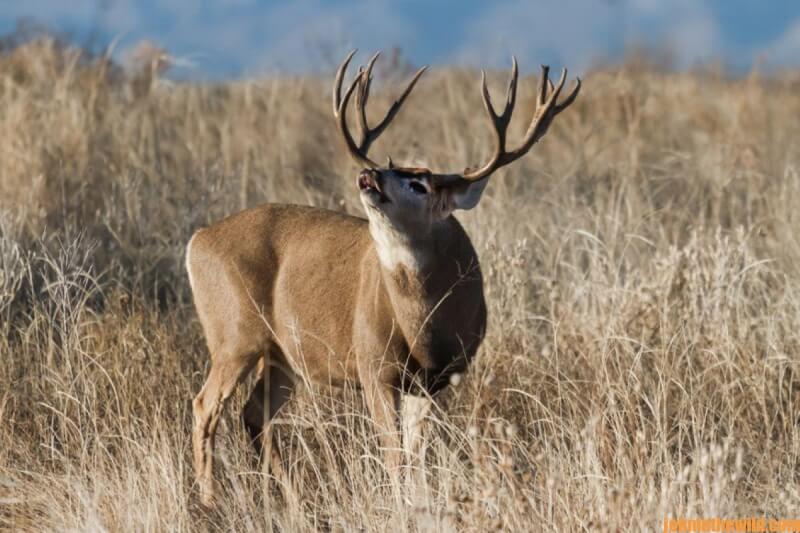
pixel 642 278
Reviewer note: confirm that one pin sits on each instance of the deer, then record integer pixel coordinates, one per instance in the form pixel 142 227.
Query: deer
pixel 392 303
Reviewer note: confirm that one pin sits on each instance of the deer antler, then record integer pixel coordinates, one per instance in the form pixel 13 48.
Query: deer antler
pixel 362 81
pixel 546 110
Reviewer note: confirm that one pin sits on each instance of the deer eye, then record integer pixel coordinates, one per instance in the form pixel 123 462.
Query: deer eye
pixel 417 187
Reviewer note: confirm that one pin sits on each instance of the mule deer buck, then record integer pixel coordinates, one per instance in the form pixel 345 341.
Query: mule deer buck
pixel 393 303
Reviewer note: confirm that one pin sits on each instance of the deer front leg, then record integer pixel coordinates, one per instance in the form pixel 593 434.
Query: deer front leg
pixel 414 411
pixel 383 402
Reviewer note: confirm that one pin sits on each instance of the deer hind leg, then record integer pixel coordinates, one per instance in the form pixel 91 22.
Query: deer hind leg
pixel 226 373
pixel 282 382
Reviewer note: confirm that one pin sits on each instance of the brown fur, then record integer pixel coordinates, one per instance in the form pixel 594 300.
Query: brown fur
pixel 303 287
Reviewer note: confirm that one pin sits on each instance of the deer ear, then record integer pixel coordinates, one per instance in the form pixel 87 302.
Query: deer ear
pixel 467 194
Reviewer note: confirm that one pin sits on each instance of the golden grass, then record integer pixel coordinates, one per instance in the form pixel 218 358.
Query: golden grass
pixel 641 269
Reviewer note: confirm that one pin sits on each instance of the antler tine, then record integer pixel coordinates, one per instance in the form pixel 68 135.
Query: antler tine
pixel 500 122
pixel 487 100
pixel 361 100
pixel 340 111
pixel 499 132
pixel 542 117
pixel 547 108
pixel 511 93
pixel 544 85
pixel 361 85
pixel 375 132
pixel 571 98
pixel 337 82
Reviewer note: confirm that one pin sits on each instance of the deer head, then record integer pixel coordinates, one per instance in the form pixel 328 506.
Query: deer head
pixel 412 199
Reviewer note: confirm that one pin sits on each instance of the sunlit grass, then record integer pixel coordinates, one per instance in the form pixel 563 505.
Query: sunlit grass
pixel 644 303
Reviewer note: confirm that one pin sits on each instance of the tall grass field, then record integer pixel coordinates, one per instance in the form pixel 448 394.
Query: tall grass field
pixel 642 270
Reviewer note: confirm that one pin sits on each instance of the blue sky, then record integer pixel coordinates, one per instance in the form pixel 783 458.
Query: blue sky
pixel 234 38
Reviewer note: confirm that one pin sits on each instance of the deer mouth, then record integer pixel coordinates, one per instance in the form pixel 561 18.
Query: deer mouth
pixel 368 185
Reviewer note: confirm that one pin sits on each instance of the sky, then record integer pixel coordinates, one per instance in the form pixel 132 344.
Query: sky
pixel 218 39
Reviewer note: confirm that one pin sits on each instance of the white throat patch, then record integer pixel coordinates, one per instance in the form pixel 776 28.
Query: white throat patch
pixel 393 247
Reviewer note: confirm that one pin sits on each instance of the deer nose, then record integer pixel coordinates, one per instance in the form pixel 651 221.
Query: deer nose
pixel 367 173
pixel 368 178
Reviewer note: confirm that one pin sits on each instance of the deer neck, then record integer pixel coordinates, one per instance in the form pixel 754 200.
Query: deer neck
pixel 411 270
pixel 412 250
